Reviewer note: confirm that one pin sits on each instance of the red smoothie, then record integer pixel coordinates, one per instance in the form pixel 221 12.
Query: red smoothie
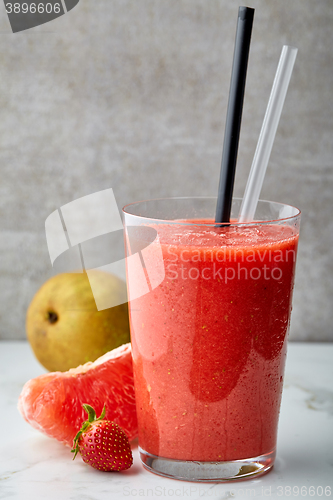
pixel 209 343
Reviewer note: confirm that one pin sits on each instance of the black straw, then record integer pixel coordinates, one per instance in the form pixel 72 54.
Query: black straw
pixel 234 113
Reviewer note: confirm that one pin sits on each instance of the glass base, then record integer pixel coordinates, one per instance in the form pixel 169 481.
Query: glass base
pixel 233 470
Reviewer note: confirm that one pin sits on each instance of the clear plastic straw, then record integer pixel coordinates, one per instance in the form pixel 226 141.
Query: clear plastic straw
pixel 267 133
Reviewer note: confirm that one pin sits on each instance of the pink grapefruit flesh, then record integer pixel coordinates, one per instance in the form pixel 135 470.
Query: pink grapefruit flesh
pixel 52 403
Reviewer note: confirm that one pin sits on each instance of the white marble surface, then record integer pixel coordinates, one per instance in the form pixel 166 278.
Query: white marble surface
pixel 34 467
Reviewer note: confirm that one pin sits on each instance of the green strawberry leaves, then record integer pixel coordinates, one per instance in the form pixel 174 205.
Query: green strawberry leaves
pixel 91 418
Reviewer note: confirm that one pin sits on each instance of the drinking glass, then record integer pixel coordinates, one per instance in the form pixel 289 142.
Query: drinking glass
pixel 209 312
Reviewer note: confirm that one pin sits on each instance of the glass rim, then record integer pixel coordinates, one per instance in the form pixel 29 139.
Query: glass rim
pixel 208 224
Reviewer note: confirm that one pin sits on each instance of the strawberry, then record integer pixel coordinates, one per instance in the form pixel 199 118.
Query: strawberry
pixel 102 444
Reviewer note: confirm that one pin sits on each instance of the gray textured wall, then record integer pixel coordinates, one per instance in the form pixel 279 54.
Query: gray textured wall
pixel 132 95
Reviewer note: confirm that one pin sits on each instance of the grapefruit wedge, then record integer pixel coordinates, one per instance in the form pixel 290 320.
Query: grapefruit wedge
pixel 52 403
